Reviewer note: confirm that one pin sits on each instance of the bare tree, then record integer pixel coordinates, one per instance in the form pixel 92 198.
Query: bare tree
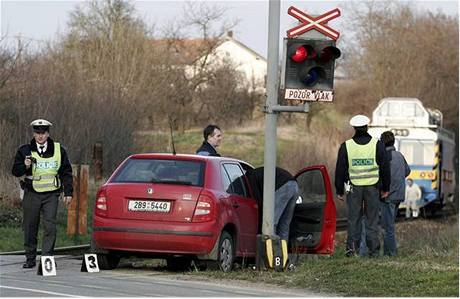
pixel 401 53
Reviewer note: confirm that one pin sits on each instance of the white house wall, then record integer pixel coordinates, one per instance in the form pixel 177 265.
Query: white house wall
pixel 253 66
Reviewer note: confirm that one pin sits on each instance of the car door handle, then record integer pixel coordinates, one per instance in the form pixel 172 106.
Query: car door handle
pixel 235 205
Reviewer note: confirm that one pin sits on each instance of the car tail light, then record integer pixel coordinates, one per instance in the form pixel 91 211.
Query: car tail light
pixel 204 210
pixel 101 203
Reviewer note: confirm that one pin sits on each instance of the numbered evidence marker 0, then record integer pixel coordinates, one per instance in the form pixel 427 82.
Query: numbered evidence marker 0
pixel 47 266
pixel 90 263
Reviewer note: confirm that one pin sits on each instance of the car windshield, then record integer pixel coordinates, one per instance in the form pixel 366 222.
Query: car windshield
pixel 180 172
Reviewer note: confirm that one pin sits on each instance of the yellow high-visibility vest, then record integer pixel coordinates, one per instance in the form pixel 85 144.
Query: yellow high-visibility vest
pixel 45 171
pixel 362 165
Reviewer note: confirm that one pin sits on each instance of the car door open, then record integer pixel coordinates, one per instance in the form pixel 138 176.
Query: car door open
pixel 313 224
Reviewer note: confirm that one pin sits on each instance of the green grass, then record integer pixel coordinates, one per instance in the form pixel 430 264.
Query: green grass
pixel 11 238
pixel 427 266
pixel 246 146
pixel 12 235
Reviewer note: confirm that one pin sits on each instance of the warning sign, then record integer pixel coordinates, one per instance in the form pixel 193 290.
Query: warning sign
pixel 309 95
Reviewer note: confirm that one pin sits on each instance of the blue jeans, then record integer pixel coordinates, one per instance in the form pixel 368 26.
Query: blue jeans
pixel 388 211
pixel 285 198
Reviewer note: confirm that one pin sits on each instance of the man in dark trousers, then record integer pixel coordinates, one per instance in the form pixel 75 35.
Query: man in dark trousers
pixel 389 207
pixel 212 138
pixel 362 162
pixel 286 194
pixel 48 172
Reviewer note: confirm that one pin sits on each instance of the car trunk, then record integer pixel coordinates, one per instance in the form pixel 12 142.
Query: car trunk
pixel 152 201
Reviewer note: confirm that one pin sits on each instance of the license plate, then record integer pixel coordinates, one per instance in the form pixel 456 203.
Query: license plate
pixel 149 206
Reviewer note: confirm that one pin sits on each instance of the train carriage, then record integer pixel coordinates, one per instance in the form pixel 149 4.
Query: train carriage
pixel 429 149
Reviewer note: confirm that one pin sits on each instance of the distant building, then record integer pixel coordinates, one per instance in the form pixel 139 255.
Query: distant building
pixel 194 52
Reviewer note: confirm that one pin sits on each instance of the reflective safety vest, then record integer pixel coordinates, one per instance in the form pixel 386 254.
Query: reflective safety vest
pixel 362 165
pixel 45 171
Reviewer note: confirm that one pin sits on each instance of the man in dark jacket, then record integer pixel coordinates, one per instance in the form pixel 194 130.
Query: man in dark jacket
pixel 212 138
pixel 362 162
pixel 286 194
pixel 48 172
pixel 389 206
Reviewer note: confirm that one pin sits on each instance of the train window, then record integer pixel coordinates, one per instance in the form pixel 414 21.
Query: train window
pixel 383 111
pixel 411 109
pixel 390 109
pixel 417 152
pixel 394 109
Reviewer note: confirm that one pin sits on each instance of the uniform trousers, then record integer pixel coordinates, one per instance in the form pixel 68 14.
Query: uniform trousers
pixel 33 205
pixel 370 197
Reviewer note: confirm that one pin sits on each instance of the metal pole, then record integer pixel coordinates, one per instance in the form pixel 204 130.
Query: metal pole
pixel 270 118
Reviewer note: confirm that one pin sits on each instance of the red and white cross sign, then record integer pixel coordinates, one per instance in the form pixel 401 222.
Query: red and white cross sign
pixel 310 23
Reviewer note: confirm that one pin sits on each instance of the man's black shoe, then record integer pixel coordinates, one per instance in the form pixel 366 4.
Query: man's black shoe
pixel 29 264
pixel 350 253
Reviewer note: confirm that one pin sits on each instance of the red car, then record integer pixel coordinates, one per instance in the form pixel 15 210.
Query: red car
pixel 184 207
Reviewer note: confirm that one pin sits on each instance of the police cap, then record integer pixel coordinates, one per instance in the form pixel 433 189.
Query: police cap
pixel 359 121
pixel 41 125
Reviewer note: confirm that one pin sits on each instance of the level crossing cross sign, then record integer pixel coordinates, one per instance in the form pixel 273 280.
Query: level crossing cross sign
pixel 317 23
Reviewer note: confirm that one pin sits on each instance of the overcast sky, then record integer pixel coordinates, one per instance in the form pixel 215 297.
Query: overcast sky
pixel 41 20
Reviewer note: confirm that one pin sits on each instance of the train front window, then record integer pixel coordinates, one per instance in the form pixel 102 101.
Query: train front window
pixel 411 109
pixel 417 152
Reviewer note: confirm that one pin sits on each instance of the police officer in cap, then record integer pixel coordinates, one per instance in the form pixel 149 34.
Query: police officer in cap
pixel 48 172
pixel 363 164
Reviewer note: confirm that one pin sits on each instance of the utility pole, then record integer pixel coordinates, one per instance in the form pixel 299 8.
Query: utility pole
pixel 271 252
pixel 271 118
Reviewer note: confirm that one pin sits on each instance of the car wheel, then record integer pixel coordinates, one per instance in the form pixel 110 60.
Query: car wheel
pixel 108 261
pixel 226 255
pixel 181 263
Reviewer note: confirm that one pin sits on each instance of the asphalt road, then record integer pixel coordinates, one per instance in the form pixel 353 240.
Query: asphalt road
pixel 125 282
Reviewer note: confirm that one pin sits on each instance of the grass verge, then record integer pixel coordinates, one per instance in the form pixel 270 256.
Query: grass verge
pixel 427 266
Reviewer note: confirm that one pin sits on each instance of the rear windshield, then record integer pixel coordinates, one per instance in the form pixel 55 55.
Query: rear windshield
pixel 176 172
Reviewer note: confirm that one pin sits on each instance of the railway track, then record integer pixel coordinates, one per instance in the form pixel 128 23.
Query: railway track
pixel 341 225
pixel 68 250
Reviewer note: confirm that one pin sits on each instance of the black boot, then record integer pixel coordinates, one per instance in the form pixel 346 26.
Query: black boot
pixel 30 263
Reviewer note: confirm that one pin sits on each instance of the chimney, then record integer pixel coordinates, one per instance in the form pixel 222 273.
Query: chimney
pixel 230 33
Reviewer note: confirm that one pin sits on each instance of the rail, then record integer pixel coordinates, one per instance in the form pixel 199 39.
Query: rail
pixel 68 250
pixel 341 225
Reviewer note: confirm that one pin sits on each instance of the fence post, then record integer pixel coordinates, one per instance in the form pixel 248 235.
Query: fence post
pixel 83 200
pixel 97 163
pixel 77 211
pixel 72 210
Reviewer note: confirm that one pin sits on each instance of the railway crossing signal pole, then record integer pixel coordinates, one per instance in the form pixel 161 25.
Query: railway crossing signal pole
pixel 271 252
pixel 268 240
pixel 271 118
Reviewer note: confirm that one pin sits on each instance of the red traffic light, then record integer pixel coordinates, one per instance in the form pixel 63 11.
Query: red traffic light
pixel 301 53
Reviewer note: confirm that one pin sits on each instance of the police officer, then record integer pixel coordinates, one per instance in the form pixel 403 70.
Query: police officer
pixel 48 172
pixel 362 162
pixel 212 138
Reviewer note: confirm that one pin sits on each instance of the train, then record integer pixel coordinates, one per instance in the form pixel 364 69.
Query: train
pixel 428 148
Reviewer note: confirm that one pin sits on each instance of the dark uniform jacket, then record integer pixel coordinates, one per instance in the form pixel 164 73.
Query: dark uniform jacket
pixel 206 147
pixel 256 179
pixel 341 168
pixel 64 172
